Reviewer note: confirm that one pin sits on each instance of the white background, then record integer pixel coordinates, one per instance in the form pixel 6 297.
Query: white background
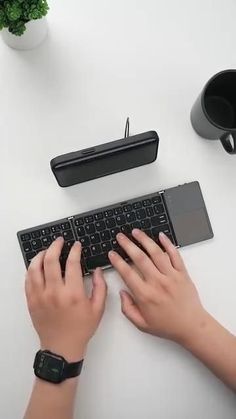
pixel 103 61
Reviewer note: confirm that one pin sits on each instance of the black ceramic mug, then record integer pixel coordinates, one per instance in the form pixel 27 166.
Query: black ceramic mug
pixel 213 115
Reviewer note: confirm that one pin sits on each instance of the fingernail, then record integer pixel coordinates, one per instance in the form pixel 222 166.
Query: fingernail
pixel 112 254
pixel 59 238
pixel 120 236
pixel 161 234
pixel 77 243
pixel 136 232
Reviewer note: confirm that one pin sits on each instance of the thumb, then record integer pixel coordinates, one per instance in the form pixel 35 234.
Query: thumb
pixel 131 311
pixel 99 293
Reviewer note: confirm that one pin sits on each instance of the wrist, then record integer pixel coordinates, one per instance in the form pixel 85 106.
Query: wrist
pixel 209 334
pixel 71 354
pixel 200 330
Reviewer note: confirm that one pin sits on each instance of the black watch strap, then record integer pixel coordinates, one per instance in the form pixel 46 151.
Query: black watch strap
pixel 73 369
pixel 54 368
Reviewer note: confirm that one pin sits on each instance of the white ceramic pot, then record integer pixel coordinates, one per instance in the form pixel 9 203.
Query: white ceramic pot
pixel 36 32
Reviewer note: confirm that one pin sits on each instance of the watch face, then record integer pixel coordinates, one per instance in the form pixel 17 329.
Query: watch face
pixel 49 367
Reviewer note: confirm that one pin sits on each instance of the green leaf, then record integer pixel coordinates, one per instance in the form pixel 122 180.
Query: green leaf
pixel 15 13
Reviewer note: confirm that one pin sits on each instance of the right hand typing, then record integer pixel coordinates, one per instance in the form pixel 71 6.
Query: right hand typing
pixel 163 300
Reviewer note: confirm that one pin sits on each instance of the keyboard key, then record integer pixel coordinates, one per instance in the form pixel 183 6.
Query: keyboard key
pixel 30 256
pixel 118 211
pixel 162 228
pixel 140 214
pixel 97 261
pixel 106 247
pixel 100 226
pixel 68 245
pixel 118 249
pixel 25 237
pixel 46 241
pixel 86 252
pixel 156 199
pixel 137 205
pixel 36 234
pixel 147 202
pixel 130 217
pixel 109 213
pixel 65 251
pixel 81 231
pixel 63 259
pixel 95 238
pixel 96 249
pixel 105 235
pixel 148 233
pixel 158 219
pixel 115 244
pixel 110 223
pixel 79 222
pixel 90 229
pixel 165 228
pixel 36 244
pixel 149 211
pixel 89 219
pixel 55 229
pixel 27 247
pixel 127 208
pixel 136 224
pixel 45 231
pixel 126 229
pixel 68 235
pixel 98 216
pixel 114 232
pixel 121 252
pixel 85 241
pixel 65 226
pixel 120 220
pixel 146 223
pixel 55 236
pixel 159 209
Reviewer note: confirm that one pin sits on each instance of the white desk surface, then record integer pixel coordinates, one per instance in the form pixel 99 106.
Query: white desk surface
pixel 105 60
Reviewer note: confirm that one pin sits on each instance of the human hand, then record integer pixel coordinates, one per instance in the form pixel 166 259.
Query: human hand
pixel 164 300
pixel 63 316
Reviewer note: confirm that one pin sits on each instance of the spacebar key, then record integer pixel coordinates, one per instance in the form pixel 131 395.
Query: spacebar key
pixel 97 261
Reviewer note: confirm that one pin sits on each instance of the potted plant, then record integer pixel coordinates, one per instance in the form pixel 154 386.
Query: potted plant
pixel 23 22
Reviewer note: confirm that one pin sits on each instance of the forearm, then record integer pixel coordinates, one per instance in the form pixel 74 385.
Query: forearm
pixel 216 348
pixel 52 401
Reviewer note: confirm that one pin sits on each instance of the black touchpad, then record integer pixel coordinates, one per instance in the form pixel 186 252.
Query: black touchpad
pixel 188 214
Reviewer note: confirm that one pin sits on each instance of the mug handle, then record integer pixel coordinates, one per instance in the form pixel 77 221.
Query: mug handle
pixel 226 143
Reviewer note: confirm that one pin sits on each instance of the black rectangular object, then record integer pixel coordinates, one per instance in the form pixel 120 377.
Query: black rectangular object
pixel 105 159
pixel 179 212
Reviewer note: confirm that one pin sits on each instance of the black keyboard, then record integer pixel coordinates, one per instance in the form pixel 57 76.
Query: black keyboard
pixel 97 230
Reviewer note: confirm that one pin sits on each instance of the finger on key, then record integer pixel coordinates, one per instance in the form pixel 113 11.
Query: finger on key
pixel 73 275
pixel 160 259
pixel 52 267
pixel 174 255
pixel 138 257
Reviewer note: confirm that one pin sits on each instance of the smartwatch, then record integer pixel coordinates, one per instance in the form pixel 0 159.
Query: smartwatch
pixel 54 368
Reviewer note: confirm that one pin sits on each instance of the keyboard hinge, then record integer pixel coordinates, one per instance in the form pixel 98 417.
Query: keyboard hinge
pixel 161 192
pixel 70 218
